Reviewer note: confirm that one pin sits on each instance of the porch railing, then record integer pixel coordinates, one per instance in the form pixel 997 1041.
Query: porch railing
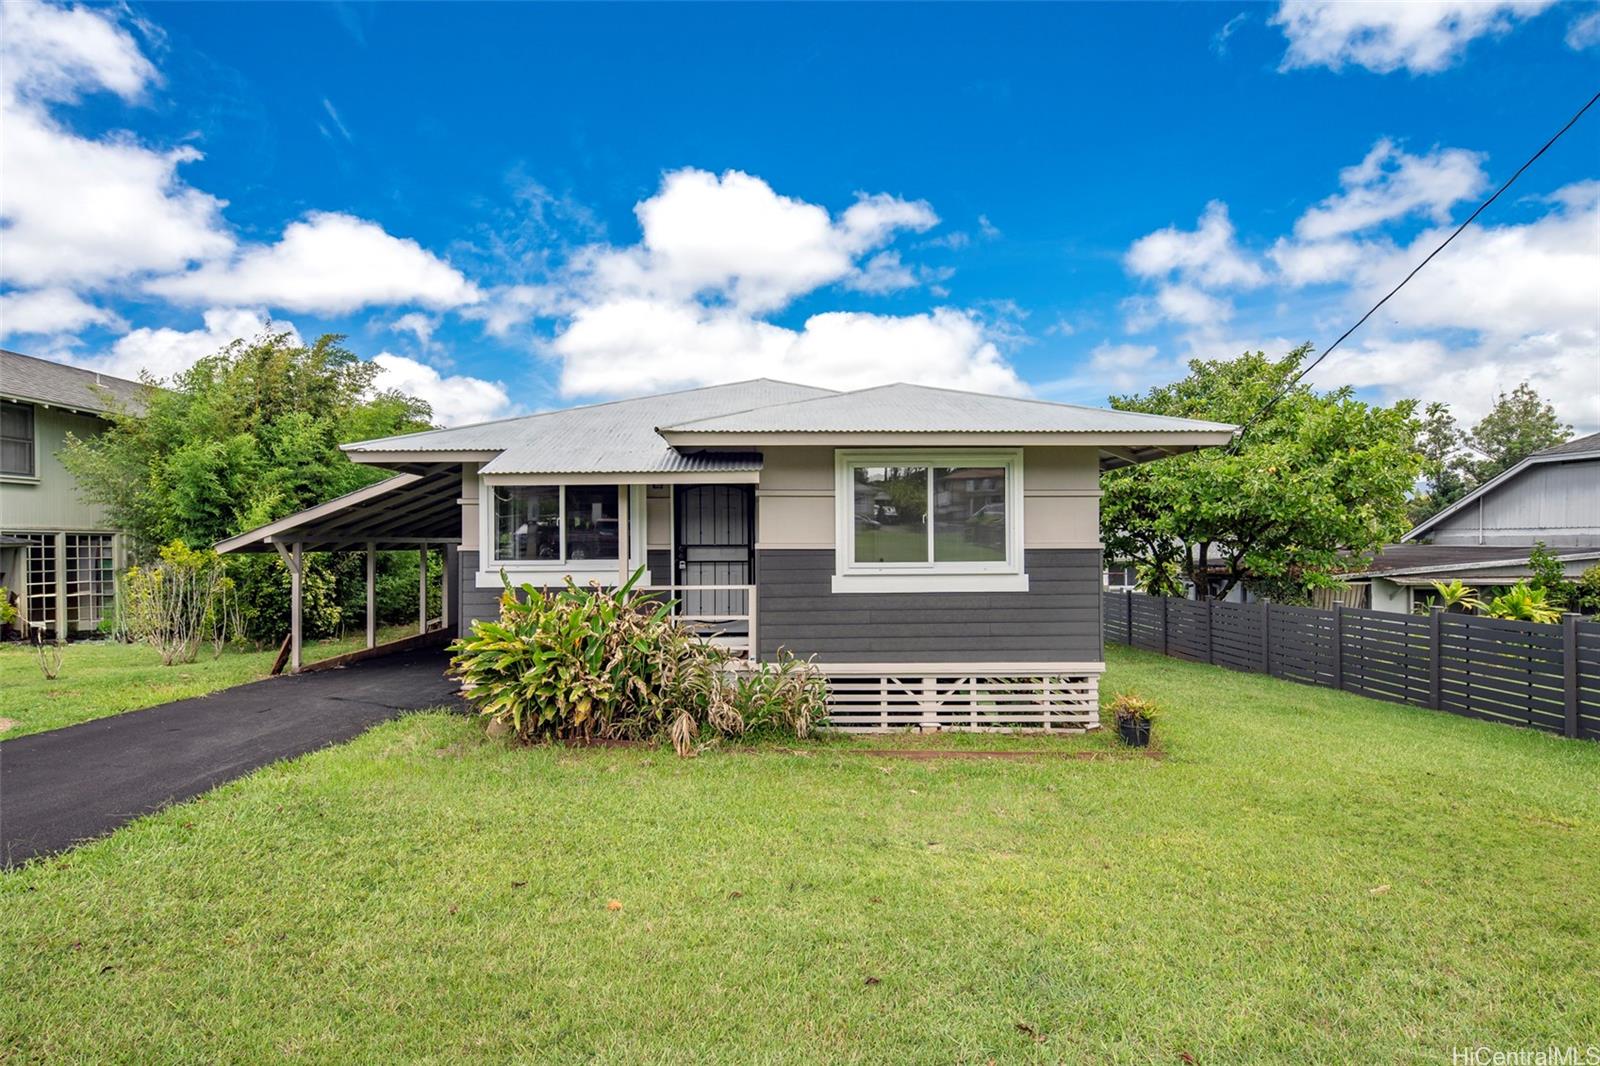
pixel 734 628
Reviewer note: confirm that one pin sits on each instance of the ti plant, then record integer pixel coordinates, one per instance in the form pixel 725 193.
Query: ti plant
pixel 1456 596
pixel 1523 603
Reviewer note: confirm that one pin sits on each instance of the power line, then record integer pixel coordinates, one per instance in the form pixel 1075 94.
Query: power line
pixel 1273 401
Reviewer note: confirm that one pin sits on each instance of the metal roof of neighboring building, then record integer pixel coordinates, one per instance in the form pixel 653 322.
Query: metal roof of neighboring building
pixel 616 437
pixel 1441 560
pixel 1575 450
pixel 35 380
pixel 903 408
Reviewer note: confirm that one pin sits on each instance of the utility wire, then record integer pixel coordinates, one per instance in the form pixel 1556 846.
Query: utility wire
pixel 1273 401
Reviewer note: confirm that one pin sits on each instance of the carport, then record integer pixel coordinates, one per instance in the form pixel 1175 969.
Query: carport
pixel 408 512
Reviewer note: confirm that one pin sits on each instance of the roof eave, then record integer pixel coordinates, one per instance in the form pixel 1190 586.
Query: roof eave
pixel 1187 439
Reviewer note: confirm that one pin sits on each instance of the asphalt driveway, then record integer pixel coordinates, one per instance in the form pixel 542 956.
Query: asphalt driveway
pixel 73 784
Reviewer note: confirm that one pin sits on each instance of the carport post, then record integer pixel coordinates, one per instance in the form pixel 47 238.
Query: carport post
pixel 372 594
pixel 422 590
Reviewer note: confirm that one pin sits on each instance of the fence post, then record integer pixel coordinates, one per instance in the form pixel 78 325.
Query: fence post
pixel 1129 594
pixel 1266 640
pixel 1437 647
pixel 1211 629
pixel 1569 663
pixel 1164 625
pixel 1338 645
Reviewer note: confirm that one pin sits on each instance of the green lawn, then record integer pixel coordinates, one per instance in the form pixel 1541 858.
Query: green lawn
pixel 100 677
pixel 1297 876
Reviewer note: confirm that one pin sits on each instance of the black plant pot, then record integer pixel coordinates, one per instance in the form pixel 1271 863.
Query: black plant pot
pixel 1135 732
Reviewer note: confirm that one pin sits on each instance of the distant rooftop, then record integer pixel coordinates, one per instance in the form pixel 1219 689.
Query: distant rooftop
pixel 1575 446
pixel 34 380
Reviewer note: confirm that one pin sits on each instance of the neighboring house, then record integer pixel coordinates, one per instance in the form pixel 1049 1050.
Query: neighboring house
pixel 929 547
pixel 58 554
pixel 1484 538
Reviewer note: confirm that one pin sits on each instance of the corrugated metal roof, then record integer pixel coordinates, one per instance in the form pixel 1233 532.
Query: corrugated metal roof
pixel 26 377
pixel 617 437
pixel 903 408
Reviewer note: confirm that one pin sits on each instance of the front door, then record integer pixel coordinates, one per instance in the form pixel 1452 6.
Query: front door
pixel 715 546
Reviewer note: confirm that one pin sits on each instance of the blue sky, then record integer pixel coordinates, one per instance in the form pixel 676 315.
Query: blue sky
pixel 519 206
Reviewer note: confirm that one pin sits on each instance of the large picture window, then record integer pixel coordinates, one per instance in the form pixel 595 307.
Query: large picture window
pixel 16 439
pixel 555 523
pixel 930 512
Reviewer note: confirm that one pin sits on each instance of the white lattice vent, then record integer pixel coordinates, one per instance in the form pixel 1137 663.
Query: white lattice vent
pixel 1005 697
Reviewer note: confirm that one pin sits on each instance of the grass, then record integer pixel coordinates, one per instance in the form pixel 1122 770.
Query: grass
pixel 1297 875
pixel 100 678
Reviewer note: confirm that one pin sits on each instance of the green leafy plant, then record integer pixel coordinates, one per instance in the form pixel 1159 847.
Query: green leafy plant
pixel 1455 596
pixel 8 610
pixel 1130 706
pixel 1550 575
pixel 586 663
pixel 1523 603
pixel 1589 589
pixel 1159 577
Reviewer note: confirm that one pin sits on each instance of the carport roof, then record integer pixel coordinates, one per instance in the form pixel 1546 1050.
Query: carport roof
pixel 403 511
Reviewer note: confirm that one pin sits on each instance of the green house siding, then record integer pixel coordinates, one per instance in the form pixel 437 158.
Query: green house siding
pixel 49 501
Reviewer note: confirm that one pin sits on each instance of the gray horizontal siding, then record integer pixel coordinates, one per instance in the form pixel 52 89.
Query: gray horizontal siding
pixel 1057 619
pixel 475 604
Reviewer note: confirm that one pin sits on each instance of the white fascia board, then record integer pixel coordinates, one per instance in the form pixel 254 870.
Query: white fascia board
pixel 999 438
pixel 635 477
pixel 384 458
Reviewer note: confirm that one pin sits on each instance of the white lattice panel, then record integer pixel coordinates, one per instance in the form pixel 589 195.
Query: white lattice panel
pixel 967 697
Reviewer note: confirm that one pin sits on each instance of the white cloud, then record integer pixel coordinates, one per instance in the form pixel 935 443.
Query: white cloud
pixel 1391 183
pixel 633 346
pixel 40 311
pixel 735 240
pixel 164 353
pixel 79 211
pixel 882 273
pixel 456 399
pixel 1206 256
pixel 417 324
pixel 1421 36
pixel 1584 31
pixel 330 263
pixel 1317 263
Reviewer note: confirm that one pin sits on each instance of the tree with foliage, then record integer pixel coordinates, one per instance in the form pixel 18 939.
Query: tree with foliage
pixel 1455 462
pixel 1519 424
pixel 243 437
pixel 1321 476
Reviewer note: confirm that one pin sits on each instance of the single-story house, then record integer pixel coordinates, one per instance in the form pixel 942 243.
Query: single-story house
pixel 59 555
pixel 1484 538
pixel 937 552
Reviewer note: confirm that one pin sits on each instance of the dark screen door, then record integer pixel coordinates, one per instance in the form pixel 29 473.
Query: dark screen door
pixel 715 545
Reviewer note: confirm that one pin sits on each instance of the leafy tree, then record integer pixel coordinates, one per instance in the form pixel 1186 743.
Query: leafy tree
pixel 1439 444
pixel 243 437
pixel 1519 424
pixel 1320 476
pixel 1551 576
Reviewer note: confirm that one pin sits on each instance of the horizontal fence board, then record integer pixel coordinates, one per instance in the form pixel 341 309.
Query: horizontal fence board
pixel 1491 669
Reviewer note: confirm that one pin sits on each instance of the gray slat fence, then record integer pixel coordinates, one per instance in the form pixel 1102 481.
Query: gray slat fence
pixel 1519 673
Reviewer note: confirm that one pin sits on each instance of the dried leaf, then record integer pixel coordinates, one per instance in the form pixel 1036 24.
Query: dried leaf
pixel 873 980
pixel 1378 890
pixel 613 904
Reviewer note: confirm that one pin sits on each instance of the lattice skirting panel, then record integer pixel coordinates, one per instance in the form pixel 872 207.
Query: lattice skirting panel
pixel 974 697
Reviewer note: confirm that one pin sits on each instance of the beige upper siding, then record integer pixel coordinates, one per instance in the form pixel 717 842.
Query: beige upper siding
pixel 1061 493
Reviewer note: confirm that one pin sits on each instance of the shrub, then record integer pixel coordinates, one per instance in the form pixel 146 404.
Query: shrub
pixel 180 601
pixel 8 610
pixel 585 663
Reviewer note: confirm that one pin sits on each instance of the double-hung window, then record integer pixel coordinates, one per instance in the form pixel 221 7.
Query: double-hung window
pixel 930 514
pixel 555 524
pixel 16 440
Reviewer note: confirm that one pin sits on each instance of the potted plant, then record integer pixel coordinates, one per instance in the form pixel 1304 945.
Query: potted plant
pixel 1133 714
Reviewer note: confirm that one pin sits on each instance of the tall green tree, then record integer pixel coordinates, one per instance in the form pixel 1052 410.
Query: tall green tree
pixel 243 437
pixel 1321 476
pixel 1520 423
pixel 1455 461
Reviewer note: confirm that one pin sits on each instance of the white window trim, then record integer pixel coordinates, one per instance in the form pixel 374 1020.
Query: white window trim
pixel 850 576
pixel 553 572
